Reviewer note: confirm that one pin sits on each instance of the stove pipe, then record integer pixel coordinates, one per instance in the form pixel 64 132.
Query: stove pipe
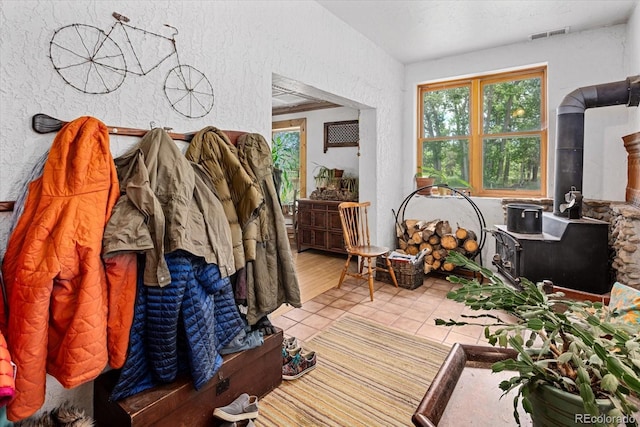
pixel 570 134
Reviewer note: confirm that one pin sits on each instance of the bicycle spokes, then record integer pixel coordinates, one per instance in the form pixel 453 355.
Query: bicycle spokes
pixel 87 59
pixel 189 91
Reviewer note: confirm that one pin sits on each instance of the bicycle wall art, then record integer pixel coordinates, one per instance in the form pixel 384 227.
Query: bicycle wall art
pixel 95 61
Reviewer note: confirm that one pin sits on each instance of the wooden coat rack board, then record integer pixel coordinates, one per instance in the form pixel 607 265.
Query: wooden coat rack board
pixel 42 123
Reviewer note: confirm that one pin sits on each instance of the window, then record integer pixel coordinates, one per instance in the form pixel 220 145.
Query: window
pixel 487 132
pixel 289 154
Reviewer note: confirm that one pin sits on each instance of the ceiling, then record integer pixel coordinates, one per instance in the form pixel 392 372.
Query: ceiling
pixel 420 30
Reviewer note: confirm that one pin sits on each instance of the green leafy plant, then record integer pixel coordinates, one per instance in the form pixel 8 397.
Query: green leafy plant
pixel 323 176
pixel 441 177
pixel 286 160
pixel 575 346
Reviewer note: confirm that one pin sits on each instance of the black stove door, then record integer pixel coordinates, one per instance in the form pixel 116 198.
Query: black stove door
pixel 507 256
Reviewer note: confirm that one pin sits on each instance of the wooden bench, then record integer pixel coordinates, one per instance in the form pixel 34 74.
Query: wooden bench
pixel 256 372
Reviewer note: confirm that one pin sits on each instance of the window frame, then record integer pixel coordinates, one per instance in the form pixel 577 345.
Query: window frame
pixel 476 124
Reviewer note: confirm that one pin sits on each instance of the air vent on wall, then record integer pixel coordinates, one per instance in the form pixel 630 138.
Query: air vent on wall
pixel 547 34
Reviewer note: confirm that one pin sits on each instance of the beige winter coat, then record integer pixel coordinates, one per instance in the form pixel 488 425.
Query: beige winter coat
pixel 239 194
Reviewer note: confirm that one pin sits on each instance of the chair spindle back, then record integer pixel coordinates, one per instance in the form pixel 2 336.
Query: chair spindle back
pixel 355 224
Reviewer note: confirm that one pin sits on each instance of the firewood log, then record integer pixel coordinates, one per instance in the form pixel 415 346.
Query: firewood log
pixel 410 224
pixel 434 240
pixel 440 254
pixel 461 233
pixel 427 268
pixel 402 244
pixel 470 245
pixel 420 224
pixel 471 235
pixel 426 234
pixel 417 237
pixel 443 228
pixel 412 250
pixel 449 241
pixel 431 226
pixel 427 247
pixel 448 266
pixel 436 264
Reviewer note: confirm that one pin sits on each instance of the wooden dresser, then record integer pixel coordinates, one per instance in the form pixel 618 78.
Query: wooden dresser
pixel 319 226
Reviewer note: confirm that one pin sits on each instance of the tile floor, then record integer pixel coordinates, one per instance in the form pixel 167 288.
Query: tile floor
pixel 412 311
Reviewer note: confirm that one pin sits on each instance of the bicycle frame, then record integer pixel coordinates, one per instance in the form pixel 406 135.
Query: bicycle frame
pixel 92 61
pixel 133 51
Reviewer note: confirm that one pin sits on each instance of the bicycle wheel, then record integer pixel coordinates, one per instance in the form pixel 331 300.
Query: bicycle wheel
pixel 189 91
pixel 87 59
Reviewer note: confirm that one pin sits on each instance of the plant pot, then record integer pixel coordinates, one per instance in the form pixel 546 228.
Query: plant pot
pixel 424 182
pixel 552 407
pixel 337 173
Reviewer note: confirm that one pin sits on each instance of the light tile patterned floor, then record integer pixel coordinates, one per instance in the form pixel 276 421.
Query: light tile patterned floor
pixel 413 311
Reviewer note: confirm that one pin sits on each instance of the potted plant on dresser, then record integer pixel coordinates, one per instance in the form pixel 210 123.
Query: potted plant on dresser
pixel 578 362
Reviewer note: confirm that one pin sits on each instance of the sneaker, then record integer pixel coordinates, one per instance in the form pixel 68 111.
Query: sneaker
pixel 289 342
pixel 243 408
pixel 289 345
pixel 301 363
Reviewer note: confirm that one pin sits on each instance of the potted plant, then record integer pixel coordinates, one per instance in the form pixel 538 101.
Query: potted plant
pixel 440 176
pixel 567 350
pixel 425 178
pixel 323 176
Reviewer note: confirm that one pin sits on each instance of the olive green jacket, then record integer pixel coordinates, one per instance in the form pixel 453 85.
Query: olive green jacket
pixel 271 278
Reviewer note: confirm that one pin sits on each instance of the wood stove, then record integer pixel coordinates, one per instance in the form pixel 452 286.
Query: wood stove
pixel 571 251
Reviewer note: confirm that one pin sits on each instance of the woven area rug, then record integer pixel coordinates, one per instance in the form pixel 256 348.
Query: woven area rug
pixel 366 375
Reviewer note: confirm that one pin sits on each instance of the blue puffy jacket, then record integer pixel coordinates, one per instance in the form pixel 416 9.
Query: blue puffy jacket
pixel 180 327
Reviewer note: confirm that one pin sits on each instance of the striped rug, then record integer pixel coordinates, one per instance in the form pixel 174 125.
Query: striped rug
pixel 366 375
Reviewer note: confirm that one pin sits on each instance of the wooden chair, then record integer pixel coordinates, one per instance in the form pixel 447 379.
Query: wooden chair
pixel 355 226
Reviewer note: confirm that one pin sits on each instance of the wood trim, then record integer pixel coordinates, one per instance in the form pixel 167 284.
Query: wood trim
pixel 7 206
pixel 435 400
pixel 309 106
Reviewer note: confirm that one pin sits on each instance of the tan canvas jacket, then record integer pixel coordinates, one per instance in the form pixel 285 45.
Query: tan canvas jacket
pixel 166 206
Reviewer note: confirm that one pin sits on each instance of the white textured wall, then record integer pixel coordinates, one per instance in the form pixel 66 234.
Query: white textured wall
pixel 573 60
pixel 338 157
pixel 237 44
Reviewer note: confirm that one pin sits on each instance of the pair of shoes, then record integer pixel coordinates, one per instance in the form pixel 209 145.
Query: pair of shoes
pixel 288 346
pixel 245 407
pixel 301 362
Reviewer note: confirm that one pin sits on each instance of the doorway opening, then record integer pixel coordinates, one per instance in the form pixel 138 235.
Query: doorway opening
pixel 289 154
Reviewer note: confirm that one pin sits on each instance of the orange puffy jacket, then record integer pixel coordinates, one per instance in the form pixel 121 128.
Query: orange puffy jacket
pixel 7 381
pixel 61 301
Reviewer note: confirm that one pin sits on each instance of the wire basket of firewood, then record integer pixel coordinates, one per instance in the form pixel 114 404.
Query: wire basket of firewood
pixel 436 237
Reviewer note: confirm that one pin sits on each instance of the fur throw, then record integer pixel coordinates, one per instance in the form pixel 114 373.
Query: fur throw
pixel 63 416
